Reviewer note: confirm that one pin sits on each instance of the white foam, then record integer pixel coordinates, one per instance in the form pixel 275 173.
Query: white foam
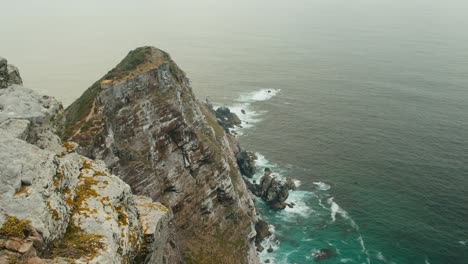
pixel 346 260
pixel 300 208
pixel 297 183
pixel 380 256
pixel 322 186
pixel 336 209
pixel 463 243
pixel 426 261
pixel 243 108
pixel 260 95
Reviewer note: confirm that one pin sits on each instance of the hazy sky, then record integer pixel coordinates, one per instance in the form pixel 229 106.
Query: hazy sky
pixel 61 47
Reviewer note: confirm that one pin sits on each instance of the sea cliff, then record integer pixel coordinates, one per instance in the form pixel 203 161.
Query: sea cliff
pixel 137 168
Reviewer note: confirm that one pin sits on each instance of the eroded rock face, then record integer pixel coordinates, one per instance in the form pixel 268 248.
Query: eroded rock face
pixel 246 162
pixel 53 198
pixel 30 116
pixel 143 120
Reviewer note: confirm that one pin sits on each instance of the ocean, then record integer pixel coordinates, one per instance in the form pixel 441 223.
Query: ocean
pixel 364 102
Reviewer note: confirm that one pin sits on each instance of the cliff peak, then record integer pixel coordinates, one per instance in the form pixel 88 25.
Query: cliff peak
pixel 138 60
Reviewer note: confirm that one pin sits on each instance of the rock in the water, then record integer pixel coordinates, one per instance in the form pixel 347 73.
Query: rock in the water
pixel 246 162
pixel 263 231
pixel 272 190
pixel 270 249
pixel 323 254
pixel 227 119
pixel 290 183
pixel 260 248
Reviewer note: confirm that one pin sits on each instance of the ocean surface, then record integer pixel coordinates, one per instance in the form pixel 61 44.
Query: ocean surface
pixel 367 107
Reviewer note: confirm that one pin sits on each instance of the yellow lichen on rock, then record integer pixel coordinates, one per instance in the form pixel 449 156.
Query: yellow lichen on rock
pixel 14 227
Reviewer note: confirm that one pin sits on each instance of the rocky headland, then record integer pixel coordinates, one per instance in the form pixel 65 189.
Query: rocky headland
pixel 136 170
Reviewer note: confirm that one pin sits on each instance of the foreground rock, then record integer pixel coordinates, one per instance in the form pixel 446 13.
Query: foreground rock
pixel 273 190
pixel 57 206
pixel 143 120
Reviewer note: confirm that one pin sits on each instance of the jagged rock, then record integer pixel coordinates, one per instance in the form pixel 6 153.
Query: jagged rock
pixel 270 249
pixel 143 120
pixel 263 231
pixel 154 219
pixel 14 75
pixel 272 190
pixel 246 162
pixel 29 116
pixel 290 184
pixel 260 248
pixel 3 73
pixel 323 254
pixel 227 119
pixel 9 74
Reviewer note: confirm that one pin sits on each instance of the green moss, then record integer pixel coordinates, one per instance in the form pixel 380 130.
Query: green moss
pixel 14 227
pixel 129 63
pixel 219 131
pixel 15 260
pixel 78 110
pixel 77 244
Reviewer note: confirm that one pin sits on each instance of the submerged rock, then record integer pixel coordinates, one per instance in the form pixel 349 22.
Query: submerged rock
pixel 323 254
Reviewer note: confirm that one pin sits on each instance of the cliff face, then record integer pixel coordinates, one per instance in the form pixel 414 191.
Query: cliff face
pixel 57 206
pixel 143 120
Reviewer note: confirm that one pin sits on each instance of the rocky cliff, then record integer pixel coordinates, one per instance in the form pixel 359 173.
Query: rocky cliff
pixel 57 206
pixel 143 120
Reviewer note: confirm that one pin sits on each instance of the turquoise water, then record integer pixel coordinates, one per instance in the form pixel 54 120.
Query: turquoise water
pixel 371 193
pixel 370 99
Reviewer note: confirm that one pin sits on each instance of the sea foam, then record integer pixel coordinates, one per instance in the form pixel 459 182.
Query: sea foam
pixel 243 107
pixel 321 186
